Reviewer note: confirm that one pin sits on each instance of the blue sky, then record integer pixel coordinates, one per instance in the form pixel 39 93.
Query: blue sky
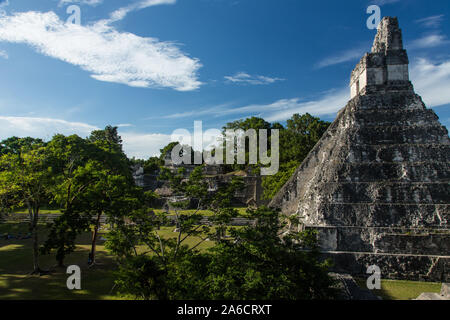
pixel 153 66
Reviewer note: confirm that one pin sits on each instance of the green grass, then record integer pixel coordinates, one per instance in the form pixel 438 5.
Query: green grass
pixel 206 213
pixel 402 289
pixel 97 283
pixel 16 264
pixel 41 211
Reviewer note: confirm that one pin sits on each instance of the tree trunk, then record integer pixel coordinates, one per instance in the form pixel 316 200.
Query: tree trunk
pixel 94 239
pixel 34 216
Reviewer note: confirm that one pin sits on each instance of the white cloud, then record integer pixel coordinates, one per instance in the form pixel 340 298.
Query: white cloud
pixel 43 128
pixel 139 145
pixel 207 111
pixel 143 146
pixel 432 81
pixel 245 78
pixel 345 56
pixel 285 108
pixel 431 22
pixel 3 54
pixel 110 55
pixel 121 13
pixel 429 41
pixel 281 109
pixel 134 144
pixel 86 2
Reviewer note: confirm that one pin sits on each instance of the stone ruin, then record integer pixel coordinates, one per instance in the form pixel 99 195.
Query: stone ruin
pixel 376 186
pixel 250 196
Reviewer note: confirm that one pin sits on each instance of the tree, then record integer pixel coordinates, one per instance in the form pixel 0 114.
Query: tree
pixel 24 182
pixel 91 177
pixel 300 135
pixel 109 138
pixel 257 262
pixel 71 174
pixel 248 123
pixel 255 123
pixel 142 230
pixel 296 141
pixel 166 151
pixel 261 263
pixel 114 188
pixel 16 145
pixel 153 165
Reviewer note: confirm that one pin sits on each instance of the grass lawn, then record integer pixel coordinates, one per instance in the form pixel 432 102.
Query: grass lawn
pixel 41 211
pixel 16 263
pixel 97 283
pixel 402 289
pixel 206 213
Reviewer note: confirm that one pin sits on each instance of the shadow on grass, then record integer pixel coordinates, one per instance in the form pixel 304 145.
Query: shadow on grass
pixel 16 264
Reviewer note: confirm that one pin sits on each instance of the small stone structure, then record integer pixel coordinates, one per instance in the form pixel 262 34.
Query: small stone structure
pixel 376 186
pixel 251 195
pixel 386 66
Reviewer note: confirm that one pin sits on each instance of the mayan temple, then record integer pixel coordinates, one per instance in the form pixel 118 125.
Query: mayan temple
pixel 376 186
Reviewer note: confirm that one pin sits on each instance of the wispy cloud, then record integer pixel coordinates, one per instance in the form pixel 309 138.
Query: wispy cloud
pixel 3 54
pixel 215 110
pixel 109 55
pixel 86 2
pixel 279 110
pixel 121 13
pixel 137 145
pixel 143 146
pixel 429 41
pixel 41 127
pixel 341 57
pixel 432 81
pixel 245 78
pixel 431 22
pixel 284 109
pixel 124 125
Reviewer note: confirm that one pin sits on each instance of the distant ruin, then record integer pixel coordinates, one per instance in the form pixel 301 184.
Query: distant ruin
pixel 250 196
pixel 376 186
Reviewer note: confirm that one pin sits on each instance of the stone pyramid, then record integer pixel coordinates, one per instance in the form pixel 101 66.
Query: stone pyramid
pixel 377 185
